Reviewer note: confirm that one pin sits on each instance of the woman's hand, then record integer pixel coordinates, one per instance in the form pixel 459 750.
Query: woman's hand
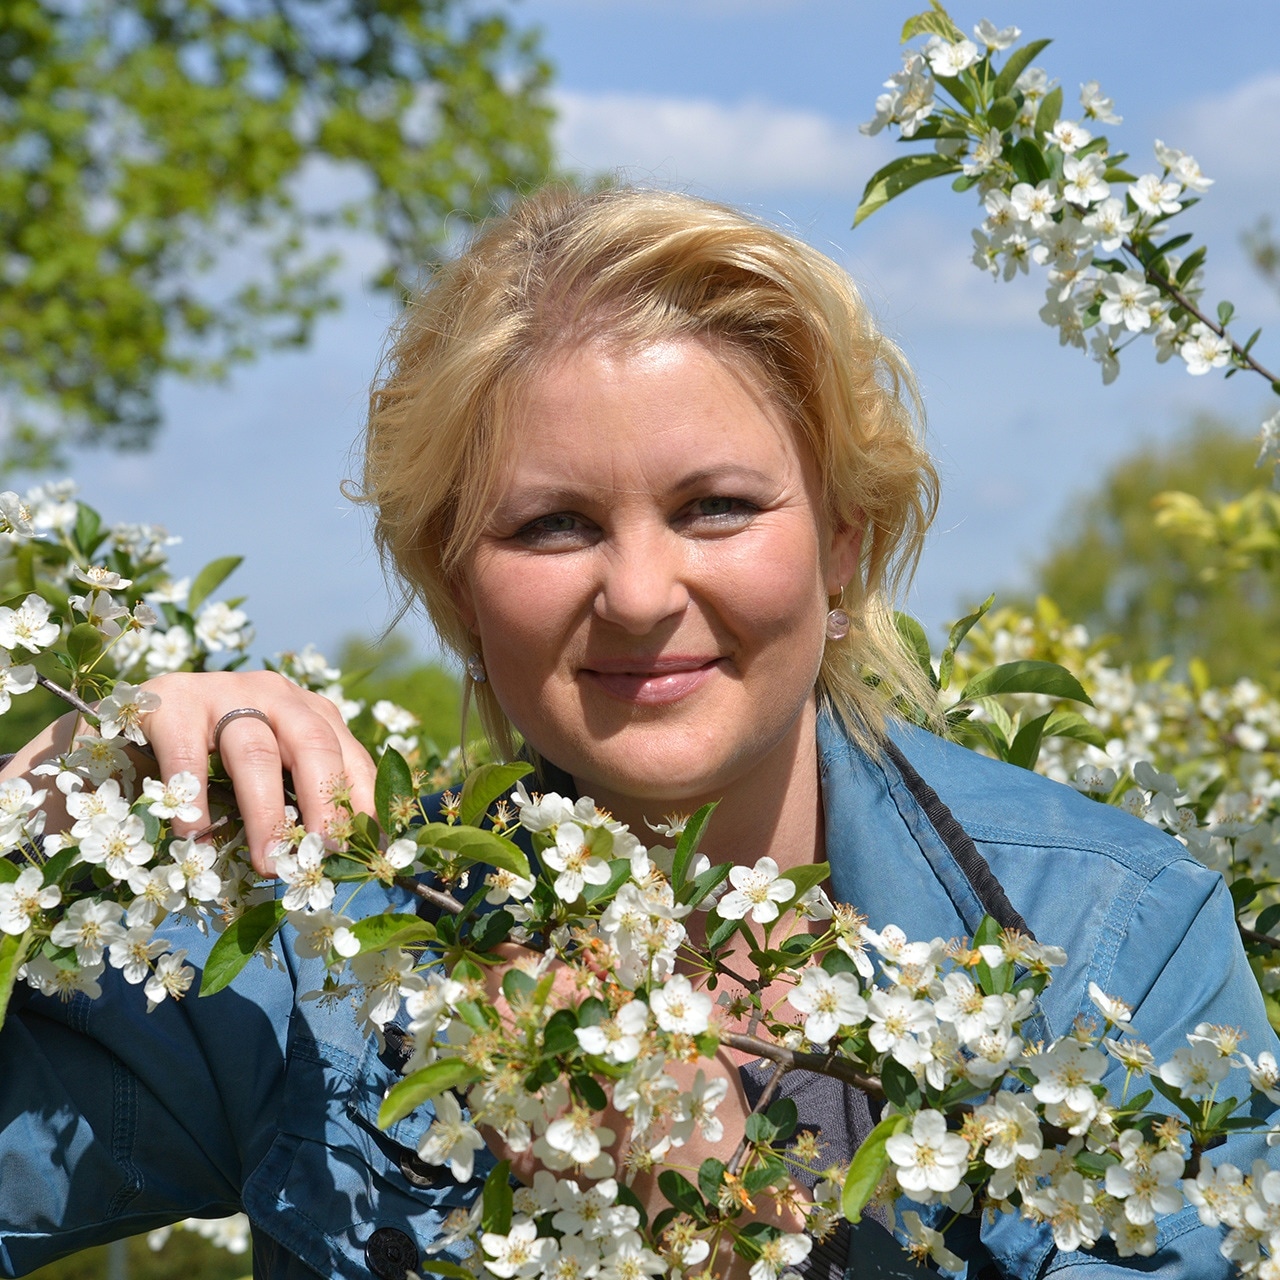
pixel 306 736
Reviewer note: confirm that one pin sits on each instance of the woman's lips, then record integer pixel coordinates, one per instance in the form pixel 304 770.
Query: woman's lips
pixel 652 684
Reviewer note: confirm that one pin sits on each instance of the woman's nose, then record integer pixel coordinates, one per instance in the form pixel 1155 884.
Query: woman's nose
pixel 644 581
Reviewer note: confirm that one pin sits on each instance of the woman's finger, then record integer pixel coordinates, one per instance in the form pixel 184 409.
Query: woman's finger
pixel 251 756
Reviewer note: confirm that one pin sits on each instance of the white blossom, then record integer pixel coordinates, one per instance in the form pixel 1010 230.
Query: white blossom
pixel 23 899
pixel 829 1001
pixel 1203 349
pixel 757 891
pixel 677 1007
pixel 452 1139
pixel 1096 105
pixel 303 872
pixel 28 625
pixel 121 712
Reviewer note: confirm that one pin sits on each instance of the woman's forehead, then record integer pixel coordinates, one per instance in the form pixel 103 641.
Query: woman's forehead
pixel 676 403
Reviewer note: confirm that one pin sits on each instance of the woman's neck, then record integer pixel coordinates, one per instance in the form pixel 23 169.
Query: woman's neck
pixel 773 809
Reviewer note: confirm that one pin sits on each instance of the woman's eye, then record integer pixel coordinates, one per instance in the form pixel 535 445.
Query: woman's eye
pixel 556 528
pixel 721 510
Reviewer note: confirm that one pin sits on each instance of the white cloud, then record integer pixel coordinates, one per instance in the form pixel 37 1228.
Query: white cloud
pixel 1234 135
pixel 749 147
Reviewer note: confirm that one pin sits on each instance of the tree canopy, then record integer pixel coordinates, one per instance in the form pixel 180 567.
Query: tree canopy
pixel 153 160
pixel 1115 571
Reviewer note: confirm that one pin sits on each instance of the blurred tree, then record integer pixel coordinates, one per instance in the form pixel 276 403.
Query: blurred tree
pixel 391 669
pixel 1115 571
pixel 185 1256
pixel 141 140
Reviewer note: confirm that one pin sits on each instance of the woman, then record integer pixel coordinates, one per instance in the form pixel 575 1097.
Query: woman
pixel 653 473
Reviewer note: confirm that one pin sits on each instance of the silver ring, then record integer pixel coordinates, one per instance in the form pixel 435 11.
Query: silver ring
pixel 235 715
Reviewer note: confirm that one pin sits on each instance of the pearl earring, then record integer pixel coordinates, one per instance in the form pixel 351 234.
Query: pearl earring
pixel 838 620
pixel 475 667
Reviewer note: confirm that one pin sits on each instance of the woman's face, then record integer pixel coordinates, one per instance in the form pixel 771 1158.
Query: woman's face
pixel 649 597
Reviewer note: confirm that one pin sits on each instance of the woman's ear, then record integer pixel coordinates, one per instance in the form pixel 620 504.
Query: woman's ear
pixel 844 554
pixel 463 601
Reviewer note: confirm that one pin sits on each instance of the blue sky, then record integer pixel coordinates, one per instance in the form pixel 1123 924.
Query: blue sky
pixel 757 102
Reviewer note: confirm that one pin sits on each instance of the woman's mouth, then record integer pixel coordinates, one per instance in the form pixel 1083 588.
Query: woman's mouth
pixel 651 683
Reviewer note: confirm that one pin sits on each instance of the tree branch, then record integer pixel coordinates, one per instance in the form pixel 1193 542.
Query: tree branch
pixel 445 901
pixel 761 1103
pixel 1252 935
pixel 72 699
pixel 826 1064
pixel 1167 286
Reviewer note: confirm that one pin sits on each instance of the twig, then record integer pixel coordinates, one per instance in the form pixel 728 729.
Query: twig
pixel 761 1103
pixel 445 901
pixel 1252 935
pixel 1163 282
pixel 74 699
pixel 826 1064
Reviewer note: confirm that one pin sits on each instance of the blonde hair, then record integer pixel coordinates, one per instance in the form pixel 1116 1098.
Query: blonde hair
pixel 640 266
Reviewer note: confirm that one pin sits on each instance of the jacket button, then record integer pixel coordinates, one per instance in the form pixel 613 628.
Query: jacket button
pixel 390 1253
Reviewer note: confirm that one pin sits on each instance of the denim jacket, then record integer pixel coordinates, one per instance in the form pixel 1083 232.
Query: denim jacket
pixel 114 1121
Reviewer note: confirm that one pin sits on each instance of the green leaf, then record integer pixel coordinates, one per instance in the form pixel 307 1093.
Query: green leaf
pixel 491 929
pixel 439 1267
pixel 210 578
pixel 688 843
pixel 13 951
pixel 57 866
pixel 619 870
pixel 898 176
pixel 1267 918
pixel 1016 63
pixel 589 1090
pixel 917 643
pixel 936 22
pixel 84 644
pixel 392 929
pixel 558 1035
pixel 485 785
pixel 394 779
pixel 88 530
pixel 759 1128
pixel 957 87
pixel 410 1093
pixel 238 944
pixel 869 1166
pixel 1028 161
pixel 1071 724
pixel 900 1085
pixel 1047 115
pixel 957 634
pixel 719 931
pixel 1024 750
pixel 1225 311
pixel 696 890
pixel 1188 1106
pixel 804 878
pixel 8 871
pixel 710 1178
pixel 1191 264
pixel 477 845
pixel 498 1199
pixel 517 986
pixel 1002 113
pixel 783 1116
pixel 682 1194
pixel 1025 675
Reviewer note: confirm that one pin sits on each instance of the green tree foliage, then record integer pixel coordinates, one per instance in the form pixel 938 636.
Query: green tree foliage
pixel 185 1256
pixel 143 140
pixel 1115 571
pixel 390 669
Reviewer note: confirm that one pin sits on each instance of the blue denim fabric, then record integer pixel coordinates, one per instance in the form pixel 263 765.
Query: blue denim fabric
pixel 114 1121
